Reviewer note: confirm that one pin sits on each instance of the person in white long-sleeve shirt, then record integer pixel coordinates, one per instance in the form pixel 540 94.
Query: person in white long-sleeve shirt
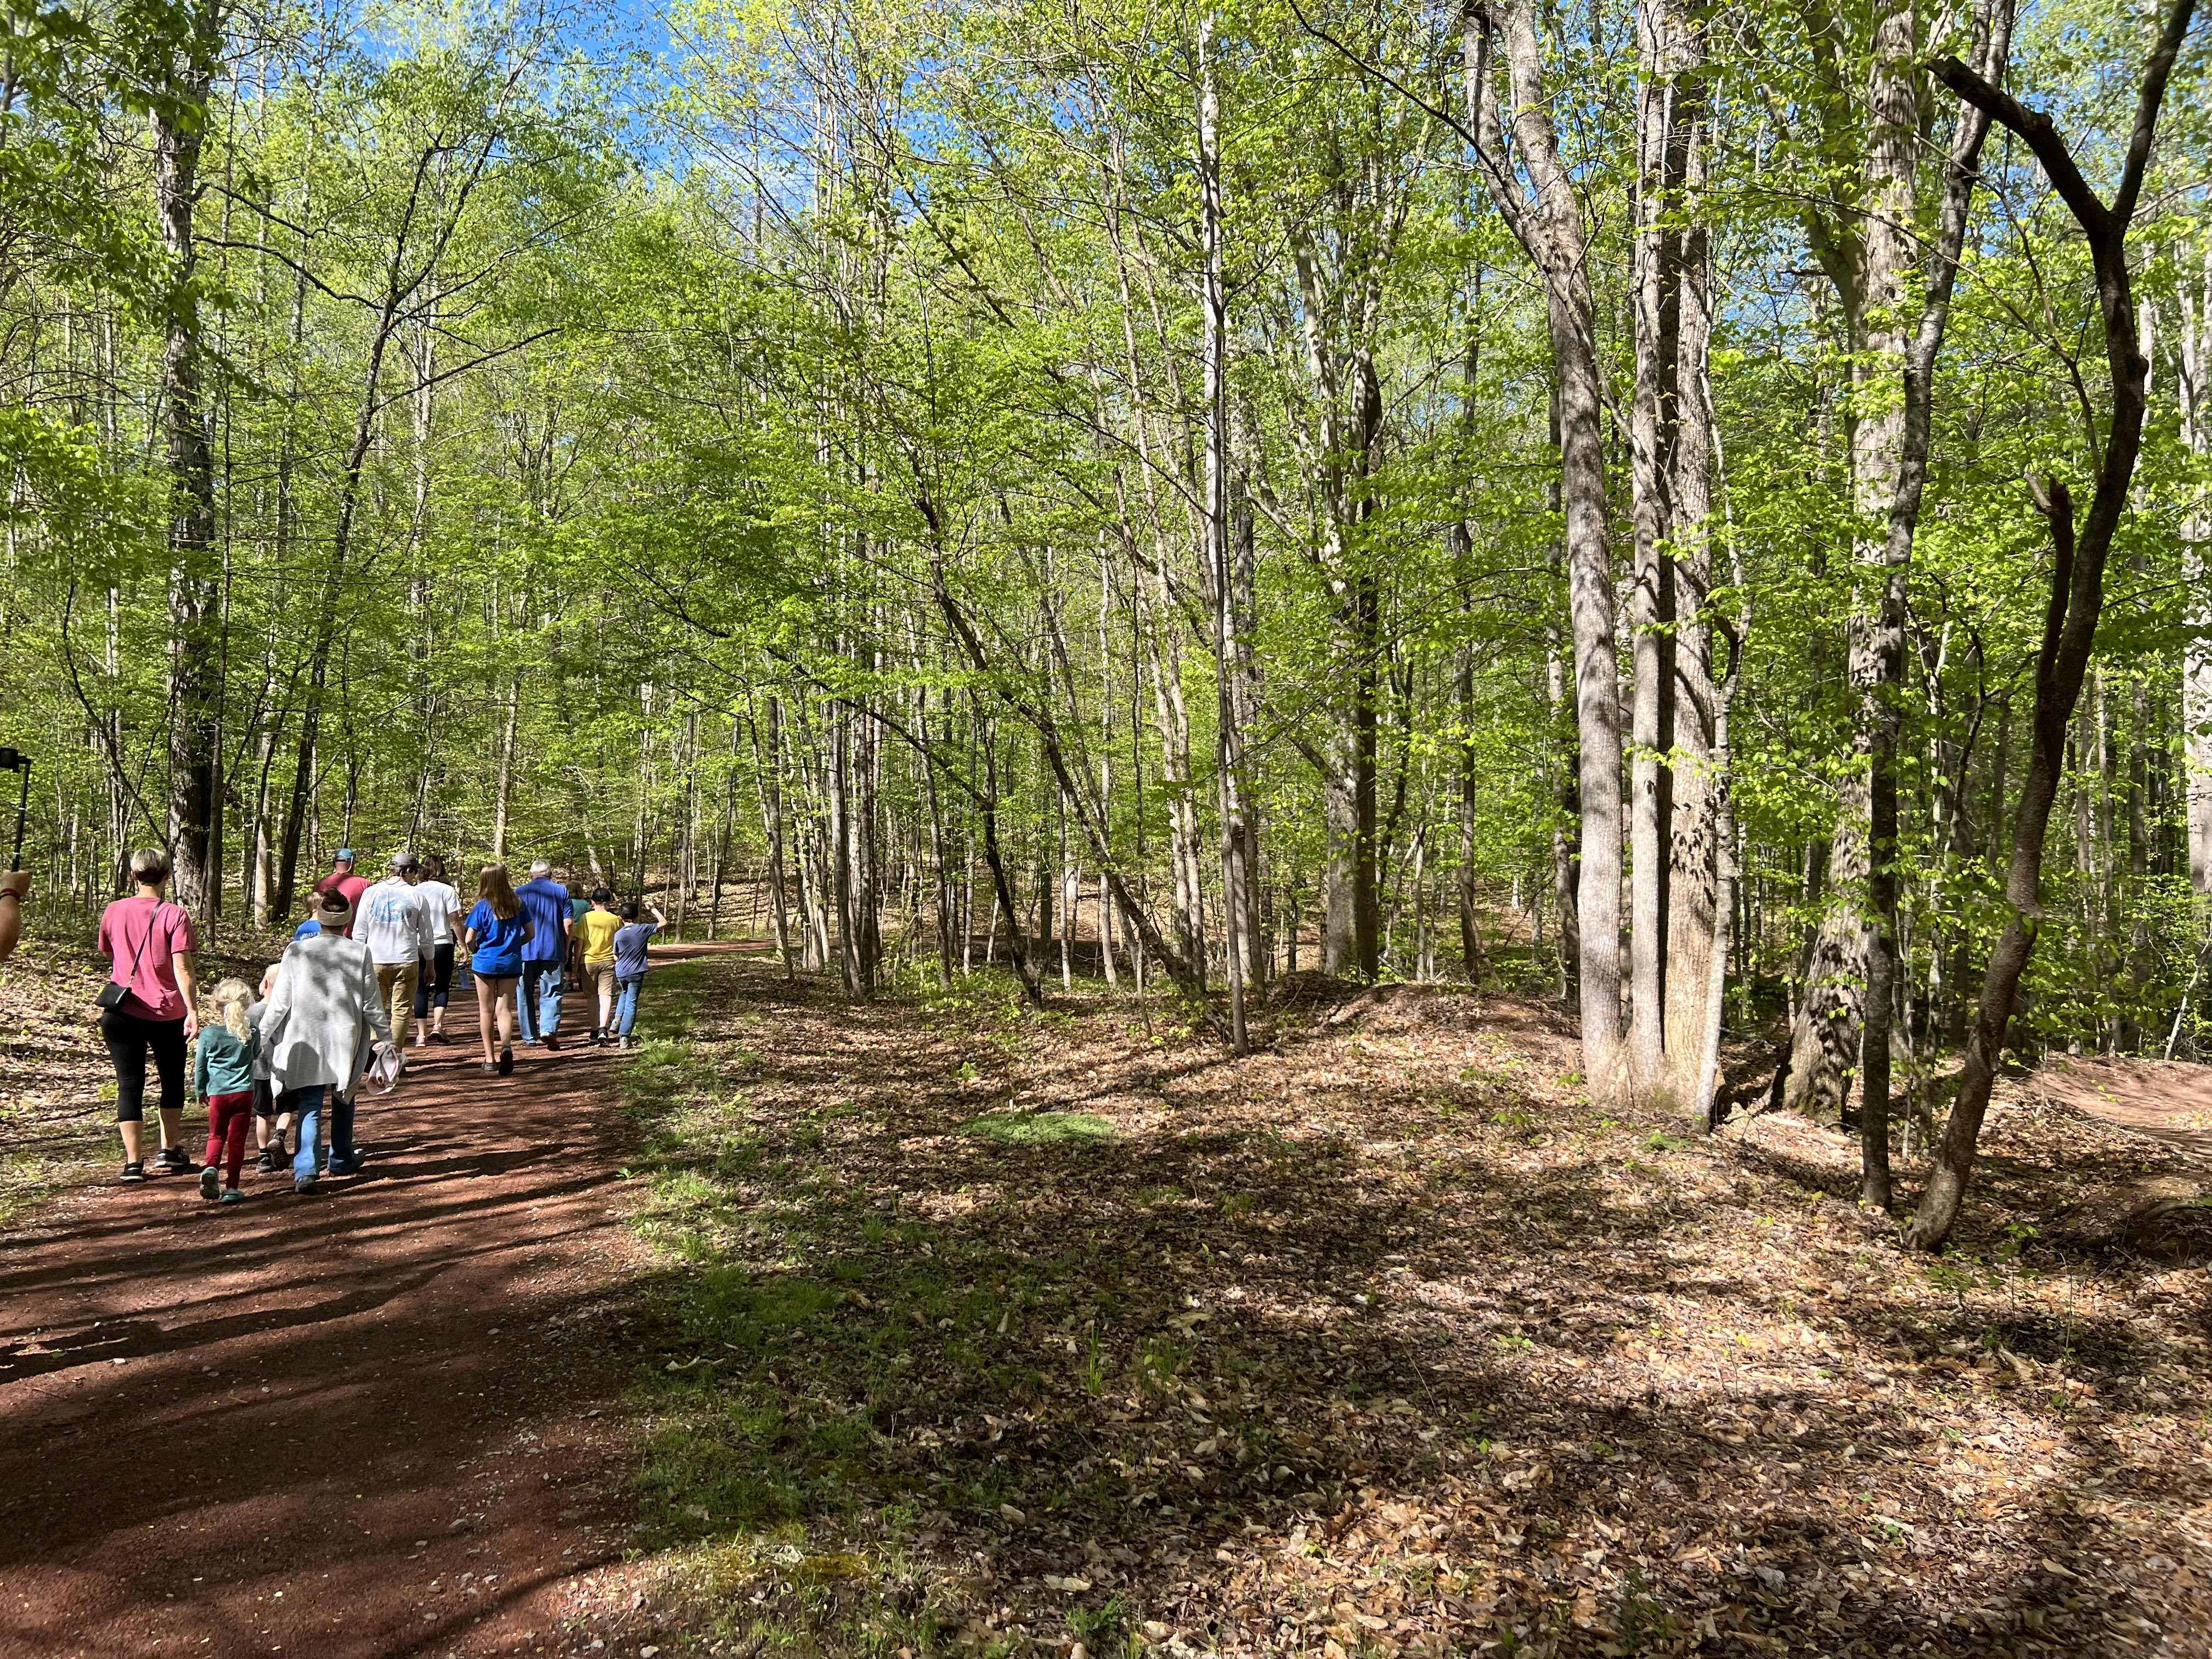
pixel 317 1028
pixel 396 926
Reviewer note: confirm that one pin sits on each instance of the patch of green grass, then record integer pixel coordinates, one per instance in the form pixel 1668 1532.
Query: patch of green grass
pixel 1038 1128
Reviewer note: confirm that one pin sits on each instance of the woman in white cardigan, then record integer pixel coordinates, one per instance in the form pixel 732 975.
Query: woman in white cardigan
pixel 325 1004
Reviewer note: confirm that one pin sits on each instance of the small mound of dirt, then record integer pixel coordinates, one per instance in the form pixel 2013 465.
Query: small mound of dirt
pixel 2176 1231
pixel 1310 988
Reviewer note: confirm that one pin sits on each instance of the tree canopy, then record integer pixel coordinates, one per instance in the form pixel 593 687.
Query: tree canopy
pixel 1637 503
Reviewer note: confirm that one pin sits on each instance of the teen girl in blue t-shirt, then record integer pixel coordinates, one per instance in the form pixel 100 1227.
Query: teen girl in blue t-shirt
pixel 494 932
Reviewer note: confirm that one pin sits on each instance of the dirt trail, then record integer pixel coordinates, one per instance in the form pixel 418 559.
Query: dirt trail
pixel 2170 1101
pixel 381 1419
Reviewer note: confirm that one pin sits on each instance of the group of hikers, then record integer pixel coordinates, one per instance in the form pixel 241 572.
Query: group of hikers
pixel 370 965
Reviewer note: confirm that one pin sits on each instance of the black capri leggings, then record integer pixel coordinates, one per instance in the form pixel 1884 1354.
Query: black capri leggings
pixel 128 1038
pixel 439 987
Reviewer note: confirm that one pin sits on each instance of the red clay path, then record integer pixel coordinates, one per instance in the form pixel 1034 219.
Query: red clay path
pixel 381 1420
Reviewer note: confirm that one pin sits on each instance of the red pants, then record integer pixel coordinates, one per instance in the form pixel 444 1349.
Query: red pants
pixel 227 1116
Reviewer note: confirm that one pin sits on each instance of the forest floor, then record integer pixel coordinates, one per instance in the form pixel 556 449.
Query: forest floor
pixel 1043 1331
pixel 933 1326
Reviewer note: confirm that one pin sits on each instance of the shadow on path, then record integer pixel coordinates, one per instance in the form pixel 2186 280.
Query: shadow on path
pixel 372 1420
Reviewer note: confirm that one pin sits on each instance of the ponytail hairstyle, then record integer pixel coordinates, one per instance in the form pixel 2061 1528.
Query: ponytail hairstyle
pixel 233 998
pixel 494 888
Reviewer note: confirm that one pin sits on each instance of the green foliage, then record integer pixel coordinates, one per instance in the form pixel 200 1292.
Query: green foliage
pixel 606 452
pixel 1039 1128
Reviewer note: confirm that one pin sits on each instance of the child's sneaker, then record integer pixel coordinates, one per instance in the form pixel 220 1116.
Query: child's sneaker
pixel 211 1183
pixel 232 1195
pixel 267 1162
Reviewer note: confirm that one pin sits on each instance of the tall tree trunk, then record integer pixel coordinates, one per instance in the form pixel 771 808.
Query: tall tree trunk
pixel 503 788
pixel 1463 549
pixel 2196 300
pixel 1548 225
pixel 2077 580
pixel 1699 901
pixel 1566 845
pixel 1877 658
pixel 1851 975
pixel 867 853
pixel 195 677
pixel 841 851
pixel 1219 558
pixel 1655 406
pixel 767 784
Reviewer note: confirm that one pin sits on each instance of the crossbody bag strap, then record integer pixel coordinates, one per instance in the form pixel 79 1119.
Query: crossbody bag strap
pixel 139 956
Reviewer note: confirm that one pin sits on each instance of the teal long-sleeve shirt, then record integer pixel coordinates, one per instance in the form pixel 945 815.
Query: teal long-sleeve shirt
pixel 224 1065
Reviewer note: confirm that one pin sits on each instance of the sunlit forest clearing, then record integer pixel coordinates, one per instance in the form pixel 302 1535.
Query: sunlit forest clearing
pixel 1429 792
pixel 1007 1334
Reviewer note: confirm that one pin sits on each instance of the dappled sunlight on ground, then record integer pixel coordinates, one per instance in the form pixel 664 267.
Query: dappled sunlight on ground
pixel 980 1328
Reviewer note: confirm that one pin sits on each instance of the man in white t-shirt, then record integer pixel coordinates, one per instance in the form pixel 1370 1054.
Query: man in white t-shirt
pixel 442 904
pixel 396 926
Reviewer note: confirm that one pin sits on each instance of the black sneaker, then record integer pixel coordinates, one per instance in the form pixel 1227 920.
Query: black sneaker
pixel 506 1061
pixel 134 1173
pixel 176 1161
pixel 267 1162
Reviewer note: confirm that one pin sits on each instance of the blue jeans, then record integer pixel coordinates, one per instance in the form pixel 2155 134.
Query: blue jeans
pixel 307 1107
pixel 539 990
pixel 626 1004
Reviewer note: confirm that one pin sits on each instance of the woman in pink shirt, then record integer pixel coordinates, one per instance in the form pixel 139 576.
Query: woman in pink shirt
pixel 149 942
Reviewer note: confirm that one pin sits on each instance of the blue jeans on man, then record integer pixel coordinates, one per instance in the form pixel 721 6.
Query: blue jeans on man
pixel 306 1106
pixel 626 1004
pixel 537 993
pixel 342 1157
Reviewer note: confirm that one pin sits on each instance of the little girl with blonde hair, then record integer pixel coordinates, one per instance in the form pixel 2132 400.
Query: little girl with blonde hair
pixel 223 1075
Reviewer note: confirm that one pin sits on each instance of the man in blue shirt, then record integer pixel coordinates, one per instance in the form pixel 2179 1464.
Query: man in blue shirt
pixel 545 902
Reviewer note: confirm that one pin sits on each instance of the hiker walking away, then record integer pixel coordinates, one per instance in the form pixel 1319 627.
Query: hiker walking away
pixel 538 1005
pixel 595 943
pixel 147 1006
pixel 443 906
pixel 496 932
pixel 325 1004
pixel 396 927
pixel 223 1065
pixel 343 880
pixel 631 939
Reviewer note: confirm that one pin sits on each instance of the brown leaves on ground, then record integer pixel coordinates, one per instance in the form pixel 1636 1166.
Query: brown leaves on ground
pixel 57 1084
pixel 1018 1333
pixel 56 1088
